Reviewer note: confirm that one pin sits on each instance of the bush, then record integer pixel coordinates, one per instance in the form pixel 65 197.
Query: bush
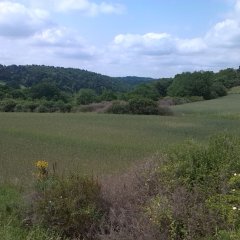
pixel 71 206
pixel 86 96
pixel 7 106
pixel 119 107
pixel 30 106
pixel 143 106
pixel 42 109
pixel 197 190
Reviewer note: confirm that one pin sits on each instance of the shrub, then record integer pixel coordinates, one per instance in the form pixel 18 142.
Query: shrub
pixel 197 190
pixel 30 106
pixel 95 107
pixel 126 195
pixel 143 106
pixel 108 95
pixel 86 96
pixel 71 206
pixel 7 106
pixel 119 107
pixel 18 108
pixel 67 107
pixel 42 109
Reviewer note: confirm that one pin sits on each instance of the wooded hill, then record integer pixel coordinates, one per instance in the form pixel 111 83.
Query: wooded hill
pixel 45 88
pixel 66 79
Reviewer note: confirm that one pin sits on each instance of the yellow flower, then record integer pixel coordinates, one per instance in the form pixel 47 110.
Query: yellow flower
pixel 41 164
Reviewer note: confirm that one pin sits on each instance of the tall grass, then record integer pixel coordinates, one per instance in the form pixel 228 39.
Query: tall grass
pixel 89 143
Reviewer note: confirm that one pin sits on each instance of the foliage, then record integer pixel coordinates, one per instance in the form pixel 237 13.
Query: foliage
pixel 143 106
pixel 119 107
pixel 73 86
pixel 69 205
pixel 86 96
pixel 147 91
pixel 66 79
pixel 7 105
pixel 197 189
pixel 11 224
pixel 228 77
pixel 162 85
pixel 47 91
pixel 108 95
pixel 192 84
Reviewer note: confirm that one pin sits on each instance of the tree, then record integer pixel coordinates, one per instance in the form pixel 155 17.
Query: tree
pixel 192 84
pixel 108 95
pixel 162 86
pixel 45 90
pixel 228 77
pixel 86 96
pixel 148 91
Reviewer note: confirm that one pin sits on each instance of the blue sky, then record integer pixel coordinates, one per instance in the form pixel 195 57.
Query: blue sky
pixel 151 38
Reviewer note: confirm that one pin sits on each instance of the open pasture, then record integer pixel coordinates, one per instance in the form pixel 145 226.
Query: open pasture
pixel 101 143
pixel 225 107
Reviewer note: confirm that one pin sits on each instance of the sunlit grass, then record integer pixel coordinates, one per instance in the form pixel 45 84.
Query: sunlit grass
pixel 221 107
pixel 235 90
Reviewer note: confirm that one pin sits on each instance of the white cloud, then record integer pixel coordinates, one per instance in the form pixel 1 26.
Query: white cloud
pixel 225 34
pixel 64 43
pixel 16 20
pixel 87 7
pixel 56 37
pixel 191 46
pixel 158 44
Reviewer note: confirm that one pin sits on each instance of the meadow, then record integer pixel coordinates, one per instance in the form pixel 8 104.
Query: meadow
pixel 90 143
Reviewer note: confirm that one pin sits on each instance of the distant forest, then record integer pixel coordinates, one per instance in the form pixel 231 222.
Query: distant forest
pixel 33 88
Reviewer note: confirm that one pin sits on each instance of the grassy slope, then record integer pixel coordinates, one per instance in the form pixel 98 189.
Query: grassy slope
pixel 225 107
pixel 103 143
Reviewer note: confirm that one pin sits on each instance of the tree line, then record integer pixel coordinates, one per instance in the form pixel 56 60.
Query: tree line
pixel 33 88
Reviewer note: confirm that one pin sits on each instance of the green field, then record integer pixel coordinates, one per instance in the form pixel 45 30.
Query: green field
pixel 103 143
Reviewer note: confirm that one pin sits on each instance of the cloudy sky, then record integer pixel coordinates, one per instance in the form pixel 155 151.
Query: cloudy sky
pixel 151 38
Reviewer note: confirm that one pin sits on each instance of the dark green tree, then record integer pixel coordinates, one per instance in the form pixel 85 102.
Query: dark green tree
pixel 86 96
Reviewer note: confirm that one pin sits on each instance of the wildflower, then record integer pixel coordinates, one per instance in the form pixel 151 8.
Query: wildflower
pixel 235 174
pixel 234 208
pixel 41 164
pixel 233 190
pixel 42 172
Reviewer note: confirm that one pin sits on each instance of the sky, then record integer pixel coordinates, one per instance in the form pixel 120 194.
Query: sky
pixel 148 38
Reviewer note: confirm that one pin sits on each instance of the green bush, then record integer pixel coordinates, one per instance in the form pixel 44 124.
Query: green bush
pixel 119 107
pixel 86 96
pixel 197 189
pixel 12 226
pixel 71 206
pixel 42 109
pixel 143 106
pixel 7 106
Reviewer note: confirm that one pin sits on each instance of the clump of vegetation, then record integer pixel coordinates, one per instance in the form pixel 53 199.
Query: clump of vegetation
pixel 196 190
pixel 71 206
pixel 140 106
pixel 12 227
